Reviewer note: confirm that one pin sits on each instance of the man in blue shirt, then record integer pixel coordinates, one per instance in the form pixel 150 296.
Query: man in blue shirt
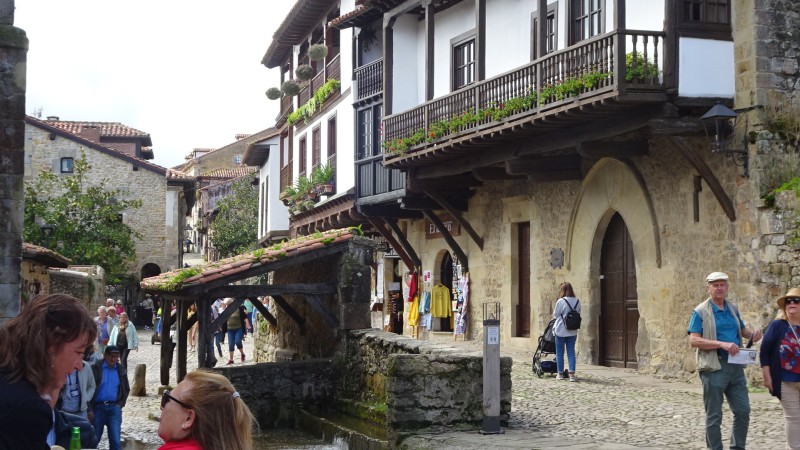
pixel 112 391
pixel 715 330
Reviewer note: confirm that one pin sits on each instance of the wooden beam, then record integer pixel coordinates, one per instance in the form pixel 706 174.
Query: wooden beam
pixel 480 40
pixel 547 164
pixel 430 63
pixel 423 203
pixel 462 257
pixel 182 330
pixel 455 182
pixel 223 316
pixel 387 234
pixel 613 149
pixel 388 63
pixel 707 174
pixel 166 341
pixel 404 242
pixel 265 312
pixel 315 301
pixel 458 216
pixel 280 301
pixel 494 174
pixel 272 289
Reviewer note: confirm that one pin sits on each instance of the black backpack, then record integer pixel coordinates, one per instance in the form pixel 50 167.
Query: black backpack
pixel 573 318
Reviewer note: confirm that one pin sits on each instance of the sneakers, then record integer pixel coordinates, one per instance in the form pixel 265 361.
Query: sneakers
pixel 559 377
pixel 230 362
pixel 573 378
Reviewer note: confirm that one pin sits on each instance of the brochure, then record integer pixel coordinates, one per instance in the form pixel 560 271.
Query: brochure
pixel 745 356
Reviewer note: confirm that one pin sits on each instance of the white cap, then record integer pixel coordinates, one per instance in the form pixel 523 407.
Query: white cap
pixel 716 276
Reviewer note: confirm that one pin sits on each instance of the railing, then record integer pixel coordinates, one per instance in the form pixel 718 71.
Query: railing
pixel 369 79
pixel 332 71
pixel 373 178
pixel 286 176
pixel 544 83
pixel 286 106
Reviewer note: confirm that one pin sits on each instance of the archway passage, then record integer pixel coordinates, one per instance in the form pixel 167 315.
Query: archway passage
pixel 446 279
pixel 150 270
pixel 619 312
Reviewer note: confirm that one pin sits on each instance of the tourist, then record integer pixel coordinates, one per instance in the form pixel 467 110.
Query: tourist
pixel 779 363
pixel 112 316
pixel 78 390
pixel 237 322
pixel 120 308
pixel 41 345
pixel 204 411
pixel 716 330
pixel 104 327
pixel 109 399
pixel 565 338
pixel 147 304
pixel 124 336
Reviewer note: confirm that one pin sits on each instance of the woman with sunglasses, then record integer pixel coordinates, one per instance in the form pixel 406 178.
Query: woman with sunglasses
pixel 780 362
pixel 204 411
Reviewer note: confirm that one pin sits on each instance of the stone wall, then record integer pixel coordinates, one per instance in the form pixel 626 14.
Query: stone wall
pixel 425 386
pixel 77 284
pixel 274 391
pixel 159 243
pixel 13 57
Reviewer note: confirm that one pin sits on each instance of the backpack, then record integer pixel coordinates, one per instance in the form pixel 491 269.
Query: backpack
pixel 573 318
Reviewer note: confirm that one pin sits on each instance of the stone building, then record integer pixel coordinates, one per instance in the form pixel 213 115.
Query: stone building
pixel 563 141
pixel 51 146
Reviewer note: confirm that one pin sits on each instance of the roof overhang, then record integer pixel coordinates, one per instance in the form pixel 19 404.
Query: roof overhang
pixel 298 24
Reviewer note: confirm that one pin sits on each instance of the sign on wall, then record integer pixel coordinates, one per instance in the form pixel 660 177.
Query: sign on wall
pixel 432 232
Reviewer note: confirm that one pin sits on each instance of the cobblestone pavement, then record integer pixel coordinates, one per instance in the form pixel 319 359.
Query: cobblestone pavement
pixel 606 409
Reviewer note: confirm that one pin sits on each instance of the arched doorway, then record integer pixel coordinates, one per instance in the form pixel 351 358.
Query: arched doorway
pixel 619 311
pixel 150 270
pixel 445 279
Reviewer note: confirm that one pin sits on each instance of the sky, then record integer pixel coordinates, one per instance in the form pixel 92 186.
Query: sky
pixel 189 73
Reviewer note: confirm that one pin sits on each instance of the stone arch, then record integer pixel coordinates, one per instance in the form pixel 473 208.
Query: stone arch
pixel 611 186
pixel 149 270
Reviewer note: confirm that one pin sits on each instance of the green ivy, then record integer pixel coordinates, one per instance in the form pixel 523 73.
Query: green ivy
pixel 307 110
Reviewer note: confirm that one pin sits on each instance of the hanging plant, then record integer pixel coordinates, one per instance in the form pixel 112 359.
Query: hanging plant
pixel 273 93
pixel 290 87
pixel 304 72
pixel 318 52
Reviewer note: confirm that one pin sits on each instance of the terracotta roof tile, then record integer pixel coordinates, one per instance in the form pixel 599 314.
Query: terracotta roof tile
pixel 44 255
pixel 109 129
pixel 235 172
pixel 172 282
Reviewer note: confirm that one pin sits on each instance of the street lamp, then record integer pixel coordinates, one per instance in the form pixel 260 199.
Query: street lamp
pixel 718 121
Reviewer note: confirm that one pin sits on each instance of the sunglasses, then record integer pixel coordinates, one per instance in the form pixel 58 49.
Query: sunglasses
pixel 166 397
pixel 794 300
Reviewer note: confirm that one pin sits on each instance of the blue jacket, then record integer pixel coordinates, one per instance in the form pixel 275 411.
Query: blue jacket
pixel 770 354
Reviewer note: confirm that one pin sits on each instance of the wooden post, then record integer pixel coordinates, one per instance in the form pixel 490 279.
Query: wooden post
pixel 204 345
pixel 166 342
pixel 182 332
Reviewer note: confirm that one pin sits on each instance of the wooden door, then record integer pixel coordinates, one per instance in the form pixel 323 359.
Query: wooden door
pixel 524 269
pixel 619 312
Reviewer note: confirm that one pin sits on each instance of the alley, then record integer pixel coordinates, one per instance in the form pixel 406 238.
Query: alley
pixel 606 409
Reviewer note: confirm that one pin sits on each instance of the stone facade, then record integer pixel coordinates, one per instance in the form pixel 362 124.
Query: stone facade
pixel 14 51
pixel 158 220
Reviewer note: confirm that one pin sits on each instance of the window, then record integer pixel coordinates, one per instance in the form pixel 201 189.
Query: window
pixel 316 146
pixel 67 165
pixel 332 144
pixel 463 62
pixel 551 33
pixel 587 19
pixel 705 19
pixel 237 159
pixel 365 137
pixel 302 156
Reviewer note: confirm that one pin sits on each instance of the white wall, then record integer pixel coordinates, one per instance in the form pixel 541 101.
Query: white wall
pixel 450 23
pixel 643 15
pixel 706 68
pixel 408 62
pixel 510 48
pixel 277 213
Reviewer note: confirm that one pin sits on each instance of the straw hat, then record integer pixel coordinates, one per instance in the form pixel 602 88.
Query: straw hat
pixel 793 292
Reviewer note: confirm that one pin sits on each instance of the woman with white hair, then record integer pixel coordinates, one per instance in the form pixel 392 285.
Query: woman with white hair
pixel 125 337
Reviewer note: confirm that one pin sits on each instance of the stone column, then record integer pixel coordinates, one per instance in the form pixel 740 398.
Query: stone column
pixel 13 55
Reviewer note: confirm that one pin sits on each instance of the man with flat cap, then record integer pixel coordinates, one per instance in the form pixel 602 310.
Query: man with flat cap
pixel 716 330
pixel 112 391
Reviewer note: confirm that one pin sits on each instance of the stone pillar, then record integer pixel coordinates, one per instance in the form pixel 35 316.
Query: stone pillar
pixel 354 281
pixel 13 55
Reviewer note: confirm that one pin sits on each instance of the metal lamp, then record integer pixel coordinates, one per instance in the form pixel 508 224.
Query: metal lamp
pixel 718 121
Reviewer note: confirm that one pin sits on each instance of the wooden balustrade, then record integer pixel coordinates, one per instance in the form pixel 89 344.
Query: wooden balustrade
pixel 369 79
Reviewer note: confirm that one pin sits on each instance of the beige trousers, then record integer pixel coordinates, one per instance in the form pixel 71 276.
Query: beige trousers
pixel 790 401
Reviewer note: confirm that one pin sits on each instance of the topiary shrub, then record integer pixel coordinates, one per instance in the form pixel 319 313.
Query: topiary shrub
pixel 318 52
pixel 304 72
pixel 290 87
pixel 273 93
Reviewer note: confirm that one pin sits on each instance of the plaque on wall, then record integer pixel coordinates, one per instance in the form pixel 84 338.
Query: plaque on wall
pixel 432 232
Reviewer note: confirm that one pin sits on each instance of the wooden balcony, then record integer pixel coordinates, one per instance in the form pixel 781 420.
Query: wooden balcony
pixel 330 71
pixel 376 181
pixel 369 80
pixel 580 84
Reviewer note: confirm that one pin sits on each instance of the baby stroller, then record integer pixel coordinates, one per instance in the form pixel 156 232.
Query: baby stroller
pixel 547 346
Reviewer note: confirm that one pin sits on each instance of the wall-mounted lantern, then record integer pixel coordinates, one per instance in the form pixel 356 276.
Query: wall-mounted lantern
pixel 720 123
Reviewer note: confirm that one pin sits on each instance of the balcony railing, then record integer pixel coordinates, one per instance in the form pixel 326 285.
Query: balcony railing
pixel 369 80
pixel 374 179
pixel 589 69
pixel 332 71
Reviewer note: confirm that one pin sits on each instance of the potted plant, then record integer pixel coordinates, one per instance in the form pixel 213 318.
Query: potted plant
pixel 287 195
pixel 322 178
pixel 273 93
pixel 290 88
pixel 318 52
pixel 304 72
pixel 303 187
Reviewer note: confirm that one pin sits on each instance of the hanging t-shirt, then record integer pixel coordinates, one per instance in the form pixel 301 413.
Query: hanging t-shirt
pixel 440 301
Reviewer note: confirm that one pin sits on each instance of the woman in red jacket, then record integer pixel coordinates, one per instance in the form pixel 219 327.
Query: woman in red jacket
pixel 209 399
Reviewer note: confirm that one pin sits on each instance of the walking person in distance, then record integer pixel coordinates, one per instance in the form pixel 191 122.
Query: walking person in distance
pixel 716 330
pixel 564 329
pixel 780 363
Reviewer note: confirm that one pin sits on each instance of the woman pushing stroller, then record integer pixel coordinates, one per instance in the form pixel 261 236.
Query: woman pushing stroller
pixel 565 335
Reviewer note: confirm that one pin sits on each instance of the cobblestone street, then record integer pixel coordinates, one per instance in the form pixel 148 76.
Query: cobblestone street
pixel 606 409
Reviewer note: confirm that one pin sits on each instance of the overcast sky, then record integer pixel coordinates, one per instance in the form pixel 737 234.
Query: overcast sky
pixel 189 73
